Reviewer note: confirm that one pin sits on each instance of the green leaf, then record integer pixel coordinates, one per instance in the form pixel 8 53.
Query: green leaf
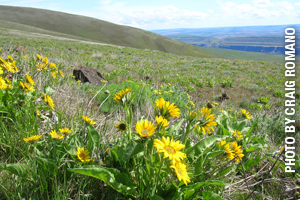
pixel 249 133
pixel 254 147
pixel 194 187
pixel 17 169
pixel 199 148
pixel 112 177
pixel 212 155
pixel 132 150
pixel 156 197
pixel 175 127
pixel 251 162
pixel 94 138
pixel 70 149
pixel 210 196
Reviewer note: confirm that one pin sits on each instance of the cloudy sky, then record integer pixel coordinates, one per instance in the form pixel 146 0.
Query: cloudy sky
pixel 167 14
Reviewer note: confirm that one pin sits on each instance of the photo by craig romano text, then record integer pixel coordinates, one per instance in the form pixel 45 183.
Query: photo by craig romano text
pixel 290 111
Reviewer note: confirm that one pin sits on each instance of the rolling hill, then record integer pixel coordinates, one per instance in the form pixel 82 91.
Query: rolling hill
pixel 91 29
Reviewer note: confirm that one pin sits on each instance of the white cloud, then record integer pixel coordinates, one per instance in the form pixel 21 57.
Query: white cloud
pixel 143 16
pixel 262 3
pixel 105 2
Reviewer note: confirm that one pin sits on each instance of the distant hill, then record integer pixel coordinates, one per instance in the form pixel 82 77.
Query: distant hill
pixel 91 29
pixel 265 39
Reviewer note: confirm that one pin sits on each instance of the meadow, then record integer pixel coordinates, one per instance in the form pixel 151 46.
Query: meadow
pixel 147 132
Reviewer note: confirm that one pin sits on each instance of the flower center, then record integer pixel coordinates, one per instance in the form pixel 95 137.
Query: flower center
pixel 170 150
pixel 144 132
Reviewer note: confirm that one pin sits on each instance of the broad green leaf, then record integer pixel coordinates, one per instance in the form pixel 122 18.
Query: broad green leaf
pixel 251 162
pixel 16 169
pixel 249 133
pixel 195 187
pixel 156 197
pixel 70 149
pixel 133 149
pixel 212 155
pixel 254 147
pixel 199 148
pixel 94 138
pixel 170 193
pixel 210 196
pixel 175 127
pixel 112 177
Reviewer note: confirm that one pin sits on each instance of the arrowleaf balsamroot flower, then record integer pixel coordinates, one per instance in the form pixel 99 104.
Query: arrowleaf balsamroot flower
pixel 121 126
pixel 65 130
pixel 48 100
pixel 145 128
pixel 88 120
pixel 246 114
pixel 3 84
pixel 29 79
pixel 83 155
pixel 161 121
pixel 237 134
pixel 233 150
pixel 166 109
pixel 32 138
pixel 56 136
pixel 170 148
pixel 119 96
pixel 206 120
pixel 181 171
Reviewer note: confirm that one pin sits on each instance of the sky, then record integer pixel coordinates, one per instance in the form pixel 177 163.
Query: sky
pixel 171 14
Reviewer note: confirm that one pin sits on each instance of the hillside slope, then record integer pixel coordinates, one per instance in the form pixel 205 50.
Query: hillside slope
pixel 95 30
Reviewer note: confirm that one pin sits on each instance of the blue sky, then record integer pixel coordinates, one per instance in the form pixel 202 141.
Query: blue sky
pixel 168 14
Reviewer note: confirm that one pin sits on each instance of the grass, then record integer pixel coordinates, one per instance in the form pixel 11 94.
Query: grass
pixel 50 168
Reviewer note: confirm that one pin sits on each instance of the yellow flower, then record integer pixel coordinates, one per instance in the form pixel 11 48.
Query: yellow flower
pixel 25 57
pixel 37 112
pixel 7 80
pixel 38 56
pixel 65 130
pixel 52 65
pixel 32 138
pixel 181 171
pixel 166 109
pixel 2 61
pixel 157 92
pixel 145 128
pixel 53 74
pixel 222 142
pixel 119 96
pixel 39 67
pixel 9 67
pixel 170 148
pixel 83 155
pixel 45 60
pixel 103 81
pixel 161 121
pixel 88 120
pixel 29 79
pixel 3 84
pixel 206 120
pixel 246 114
pixel 28 87
pixel 233 150
pixel 54 135
pixel 1 70
pixel 48 99
pixel 61 73
pixel 10 58
pixel 121 126
pixel 282 149
pixel 237 134
pixel 79 82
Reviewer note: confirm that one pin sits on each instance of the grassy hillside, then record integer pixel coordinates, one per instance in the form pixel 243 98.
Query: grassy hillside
pixel 95 30
pixel 64 139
